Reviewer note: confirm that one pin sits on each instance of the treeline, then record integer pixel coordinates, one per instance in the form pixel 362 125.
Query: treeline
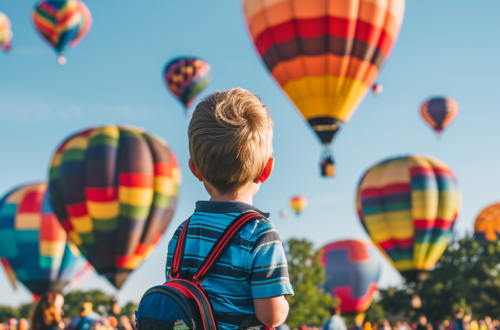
pixel 72 302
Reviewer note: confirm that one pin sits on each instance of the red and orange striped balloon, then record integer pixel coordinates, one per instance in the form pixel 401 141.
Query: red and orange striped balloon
pixel 325 54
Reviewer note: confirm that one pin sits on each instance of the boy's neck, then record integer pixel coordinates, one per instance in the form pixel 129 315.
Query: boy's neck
pixel 232 198
pixel 243 194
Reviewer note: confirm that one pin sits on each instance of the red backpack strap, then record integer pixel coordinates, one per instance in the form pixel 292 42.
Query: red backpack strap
pixel 224 242
pixel 179 252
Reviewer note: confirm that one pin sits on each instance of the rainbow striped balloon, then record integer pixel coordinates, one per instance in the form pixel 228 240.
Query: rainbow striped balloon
pixel 186 77
pixel 325 54
pixel 114 189
pixel 33 243
pixel 408 206
pixel 5 32
pixel 62 23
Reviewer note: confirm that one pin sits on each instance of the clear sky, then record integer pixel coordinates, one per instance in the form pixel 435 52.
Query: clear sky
pixel 446 47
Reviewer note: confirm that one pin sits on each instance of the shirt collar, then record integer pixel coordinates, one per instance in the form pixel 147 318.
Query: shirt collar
pixel 226 207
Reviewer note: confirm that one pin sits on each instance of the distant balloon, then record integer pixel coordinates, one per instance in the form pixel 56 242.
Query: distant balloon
pixel 283 214
pixel 5 32
pixel 353 270
pixel 298 204
pixel 62 23
pixel 114 189
pixel 33 242
pixel 487 224
pixel 439 112
pixel 325 55
pixel 377 89
pixel 408 206
pixel 186 77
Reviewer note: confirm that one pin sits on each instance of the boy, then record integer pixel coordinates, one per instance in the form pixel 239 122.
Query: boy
pixel 230 142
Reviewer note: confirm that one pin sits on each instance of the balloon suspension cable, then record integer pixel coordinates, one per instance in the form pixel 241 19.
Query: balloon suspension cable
pixel 61 60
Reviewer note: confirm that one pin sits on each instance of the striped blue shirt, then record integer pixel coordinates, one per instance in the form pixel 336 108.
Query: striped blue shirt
pixel 253 267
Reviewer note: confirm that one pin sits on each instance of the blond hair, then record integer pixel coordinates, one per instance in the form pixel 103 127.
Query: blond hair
pixel 230 138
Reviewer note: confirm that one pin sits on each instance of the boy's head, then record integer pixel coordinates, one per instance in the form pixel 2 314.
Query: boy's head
pixel 230 139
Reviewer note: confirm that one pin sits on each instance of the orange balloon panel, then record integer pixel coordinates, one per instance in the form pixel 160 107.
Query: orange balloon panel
pixel 487 224
pixel 325 54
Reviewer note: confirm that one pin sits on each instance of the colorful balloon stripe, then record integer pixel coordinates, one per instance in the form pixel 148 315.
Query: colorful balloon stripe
pixel 353 270
pixel 408 206
pixel 33 242
pixel 114 189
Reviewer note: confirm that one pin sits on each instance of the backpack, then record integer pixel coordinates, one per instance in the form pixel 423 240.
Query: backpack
pixel 182 303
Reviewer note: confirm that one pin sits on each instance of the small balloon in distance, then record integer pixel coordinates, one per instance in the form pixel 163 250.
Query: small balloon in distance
pixel 298 204
pixel 62 23
pixel 377 89
pixel 439 112
pixel 186 78
pixel 6 34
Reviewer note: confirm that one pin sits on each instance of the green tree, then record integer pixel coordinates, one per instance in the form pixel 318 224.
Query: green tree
pixel 74 300
pixel 129 309
pixel 467 275
pixel 8 312
pixel 311 304
pixel 25 310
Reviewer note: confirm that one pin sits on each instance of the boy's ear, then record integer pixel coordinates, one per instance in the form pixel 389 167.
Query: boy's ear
pixel 267 170
pixel 195 170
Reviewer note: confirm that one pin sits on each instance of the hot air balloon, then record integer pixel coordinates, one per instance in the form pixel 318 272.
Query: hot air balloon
pixel 283 214
pixel 408 206
pixel 298 204
pixel 439 112
pixel 487 224
pixel 353 270
pixel 186 77
pixel 377 89
pixel 62 23
pixel 33 244
pixel 325 55
pixel 5 32
pixel 114 189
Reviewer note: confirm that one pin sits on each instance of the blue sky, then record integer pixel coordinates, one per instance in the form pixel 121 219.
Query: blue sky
pixel 114 76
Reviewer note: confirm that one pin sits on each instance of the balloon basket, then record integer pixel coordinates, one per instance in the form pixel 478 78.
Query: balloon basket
pixel 327 165
pixel 61 60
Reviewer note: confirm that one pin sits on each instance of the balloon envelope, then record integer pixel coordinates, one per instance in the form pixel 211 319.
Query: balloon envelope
pixel 353 270
pixel 408 206
pixel 62 23
pixel 439 112
pixel 114 189
pixel 325 55
pixel 487 224
pixel 298 204
pixel 186 77
pixel 33 242
pixel 5 32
